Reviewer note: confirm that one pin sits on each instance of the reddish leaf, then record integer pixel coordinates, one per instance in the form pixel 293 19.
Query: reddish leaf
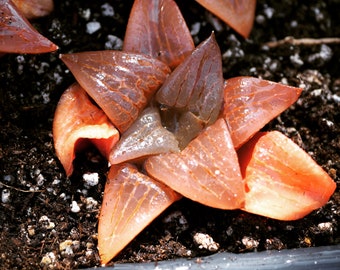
pixel 131 201
pixel 17 35
pixel 120 83
pixel 206 171
pixel 157 28
pixel 250 103
pixel 282 180
pixel 196 85
pixel 76 118
pixel 238 14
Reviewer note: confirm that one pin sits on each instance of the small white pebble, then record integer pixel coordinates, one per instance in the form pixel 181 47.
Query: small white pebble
pixel 324 55
pixel 229 231
pixel 8 178
pixel 107 10
pixel 56 182
pixel 336 98
pixel 316 92
pixel 46 222
pixel 85 13
pixel 48 260
pixel 253 70
pixel 296 60
pixel 260 19
pixel 90 203
pixel 92 27
pixel 250 242
pixel 75 207
pixel 40 179
pixel 5 195
pixel 66 248
pixel 91 179
pixel 44 218
pixel 65 244
pixel 293 24
pixel 195 28
pixel 205 241
pixel 329 123
pixel 113 43
pixel 269 12
pixel 325 226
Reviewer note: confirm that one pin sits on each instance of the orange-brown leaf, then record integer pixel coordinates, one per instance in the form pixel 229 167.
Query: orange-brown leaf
pixel 120 83
pixel 131 201
pixel 17 35
pixel 282 180
pixel 157 28
pixel 206 171
pixel 76 118
pixel 195 86
pixel 250 103
pixel 238 14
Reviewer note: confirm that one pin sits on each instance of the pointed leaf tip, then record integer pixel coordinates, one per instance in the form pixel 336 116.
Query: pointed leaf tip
pixel 157 28
pixel 145 137
pixel 282 181
pixel 131 201
pixel 239 14
pixel 206 171
pixel 195 86
pixel 18 35
pixel 120 83
pixel 250 103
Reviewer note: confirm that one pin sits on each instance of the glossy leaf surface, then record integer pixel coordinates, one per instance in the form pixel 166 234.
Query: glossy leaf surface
pixel 145 137
pixel 282 180
pixel 120 83
pixel 250 103
pixel 206 171
pixel 131 201
pixel 17 35
pixel 76 119
pixel 157 28
pixel 196 85
pixel 238 14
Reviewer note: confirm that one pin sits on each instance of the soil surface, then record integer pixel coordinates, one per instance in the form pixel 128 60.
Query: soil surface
pixel 49 221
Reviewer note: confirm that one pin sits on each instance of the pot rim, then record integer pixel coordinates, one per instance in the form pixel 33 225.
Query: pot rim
pixel 325 257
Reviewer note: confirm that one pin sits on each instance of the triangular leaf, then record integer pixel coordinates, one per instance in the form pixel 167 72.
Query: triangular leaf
pixel 120 83
pixel 157 28
pixel 238 14
pixel 131 201
pixel 282 181
pixel 17 35
pixel 250 103
pixel 145 137
pixel 206 171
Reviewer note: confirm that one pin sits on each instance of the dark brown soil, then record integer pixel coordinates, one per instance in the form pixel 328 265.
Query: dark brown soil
pixel 38 226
